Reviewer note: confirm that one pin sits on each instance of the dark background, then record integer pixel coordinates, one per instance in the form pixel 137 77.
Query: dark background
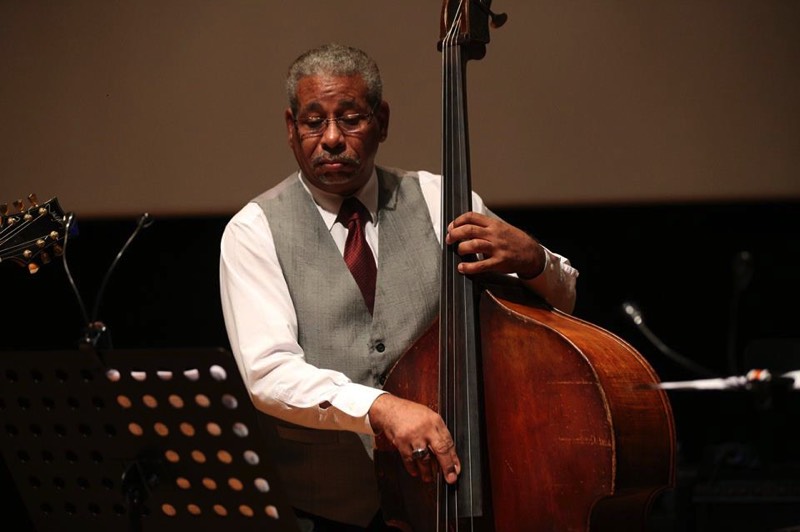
pixel 739 463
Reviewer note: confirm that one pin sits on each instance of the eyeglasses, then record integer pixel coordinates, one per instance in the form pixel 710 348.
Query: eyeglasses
pixel 349 124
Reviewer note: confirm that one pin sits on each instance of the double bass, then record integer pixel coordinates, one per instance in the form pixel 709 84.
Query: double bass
pixel 554 419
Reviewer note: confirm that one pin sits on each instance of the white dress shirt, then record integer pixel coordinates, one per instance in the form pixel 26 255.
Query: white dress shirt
pixel 262 324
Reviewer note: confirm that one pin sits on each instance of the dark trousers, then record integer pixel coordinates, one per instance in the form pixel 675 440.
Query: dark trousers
pixel 314 523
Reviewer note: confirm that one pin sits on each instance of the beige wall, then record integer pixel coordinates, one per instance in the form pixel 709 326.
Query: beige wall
pixel 175 107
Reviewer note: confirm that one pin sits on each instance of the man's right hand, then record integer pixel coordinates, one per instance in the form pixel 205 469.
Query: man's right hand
pixel 411 426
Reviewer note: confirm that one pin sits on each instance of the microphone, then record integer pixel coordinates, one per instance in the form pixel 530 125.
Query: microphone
pixel 96 329
pixel 634 313
pixel 743 269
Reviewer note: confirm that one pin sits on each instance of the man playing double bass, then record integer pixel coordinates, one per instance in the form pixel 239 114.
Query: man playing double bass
pixel 330 276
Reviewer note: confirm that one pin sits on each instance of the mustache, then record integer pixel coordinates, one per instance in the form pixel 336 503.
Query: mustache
pixel 335 159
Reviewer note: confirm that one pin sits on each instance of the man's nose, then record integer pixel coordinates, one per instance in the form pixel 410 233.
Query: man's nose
pixel 332 137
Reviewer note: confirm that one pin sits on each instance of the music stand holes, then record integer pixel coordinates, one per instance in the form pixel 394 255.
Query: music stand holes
pixel 240 429
pixel 176 401
pixel 224 456
pixel 94 510
pixel 70 509
pixel 246 510
pixel 85 430
pixel 271 511
pixel 193 509
pixel 34 482
pixel 192 374
pixel 36 430
pixel 110 430
pixel 135 429
pixel 60 430
pixel 124 401
pixel 98 403
pixel 36 376
pixel 183 483
pixel 86 375
pixel 202 400
pixel 113 375
pixel 107 483
pixel 220 510
pixel 229 401
pixel 11 376
pixel 187 429
pixel 59 483
pixel 161 429
pixel 23 457
pixel 24 403
pixel 83 483
pixel 149 401
pixel 48 403
pixel 209 483
pixel 47 457
pixel 73 403
pixel 235 484
pixel 71 457
pixel 218 373
pixel 261 485
pixel 168 510
pixel 139 376
pixel 251 457
pixel 46 509
pixel 97 457
pixel 213 429
pixel 172 456
pixel 164 375
pixel 118 509
pixel 198 456
pixel 11 430
pixel 61 375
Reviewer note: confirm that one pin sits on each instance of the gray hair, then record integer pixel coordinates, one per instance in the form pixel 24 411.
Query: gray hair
pixel 335 60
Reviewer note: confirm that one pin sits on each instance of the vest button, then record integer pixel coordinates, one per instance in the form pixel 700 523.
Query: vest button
pixel 380 348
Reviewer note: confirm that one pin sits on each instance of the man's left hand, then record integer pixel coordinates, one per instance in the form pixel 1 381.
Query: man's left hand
pixel 502 247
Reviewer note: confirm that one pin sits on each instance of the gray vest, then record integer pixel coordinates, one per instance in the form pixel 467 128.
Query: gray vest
pixel 337 332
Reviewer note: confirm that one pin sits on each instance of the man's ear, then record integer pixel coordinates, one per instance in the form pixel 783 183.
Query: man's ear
pixel 382 114
pixel 291 130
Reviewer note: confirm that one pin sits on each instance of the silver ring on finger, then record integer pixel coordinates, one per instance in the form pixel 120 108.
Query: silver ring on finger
pixel 420 453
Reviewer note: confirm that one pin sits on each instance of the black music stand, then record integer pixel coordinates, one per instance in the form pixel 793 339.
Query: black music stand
pixel 137 440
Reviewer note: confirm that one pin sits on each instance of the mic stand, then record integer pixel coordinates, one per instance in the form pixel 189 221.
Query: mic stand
pixel 633 312
pixel 96 333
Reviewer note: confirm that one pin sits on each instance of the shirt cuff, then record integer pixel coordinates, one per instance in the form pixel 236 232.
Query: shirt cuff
pixel 354 400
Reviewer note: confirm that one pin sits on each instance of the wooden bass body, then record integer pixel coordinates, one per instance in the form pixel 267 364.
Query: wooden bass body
pixel 575 439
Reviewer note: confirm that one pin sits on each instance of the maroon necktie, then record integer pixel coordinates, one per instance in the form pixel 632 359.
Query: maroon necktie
pixel 357 254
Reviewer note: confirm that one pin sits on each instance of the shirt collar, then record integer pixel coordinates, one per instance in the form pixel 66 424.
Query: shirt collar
pixel 329 204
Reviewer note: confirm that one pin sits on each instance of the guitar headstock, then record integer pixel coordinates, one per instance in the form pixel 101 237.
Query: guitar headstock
pixel 32 236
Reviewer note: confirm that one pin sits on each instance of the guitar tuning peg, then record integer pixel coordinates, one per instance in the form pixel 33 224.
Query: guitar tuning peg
pixel 46 257
pixel 33 268
pixel 33 199
pixel 58 250
pixel 21 208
